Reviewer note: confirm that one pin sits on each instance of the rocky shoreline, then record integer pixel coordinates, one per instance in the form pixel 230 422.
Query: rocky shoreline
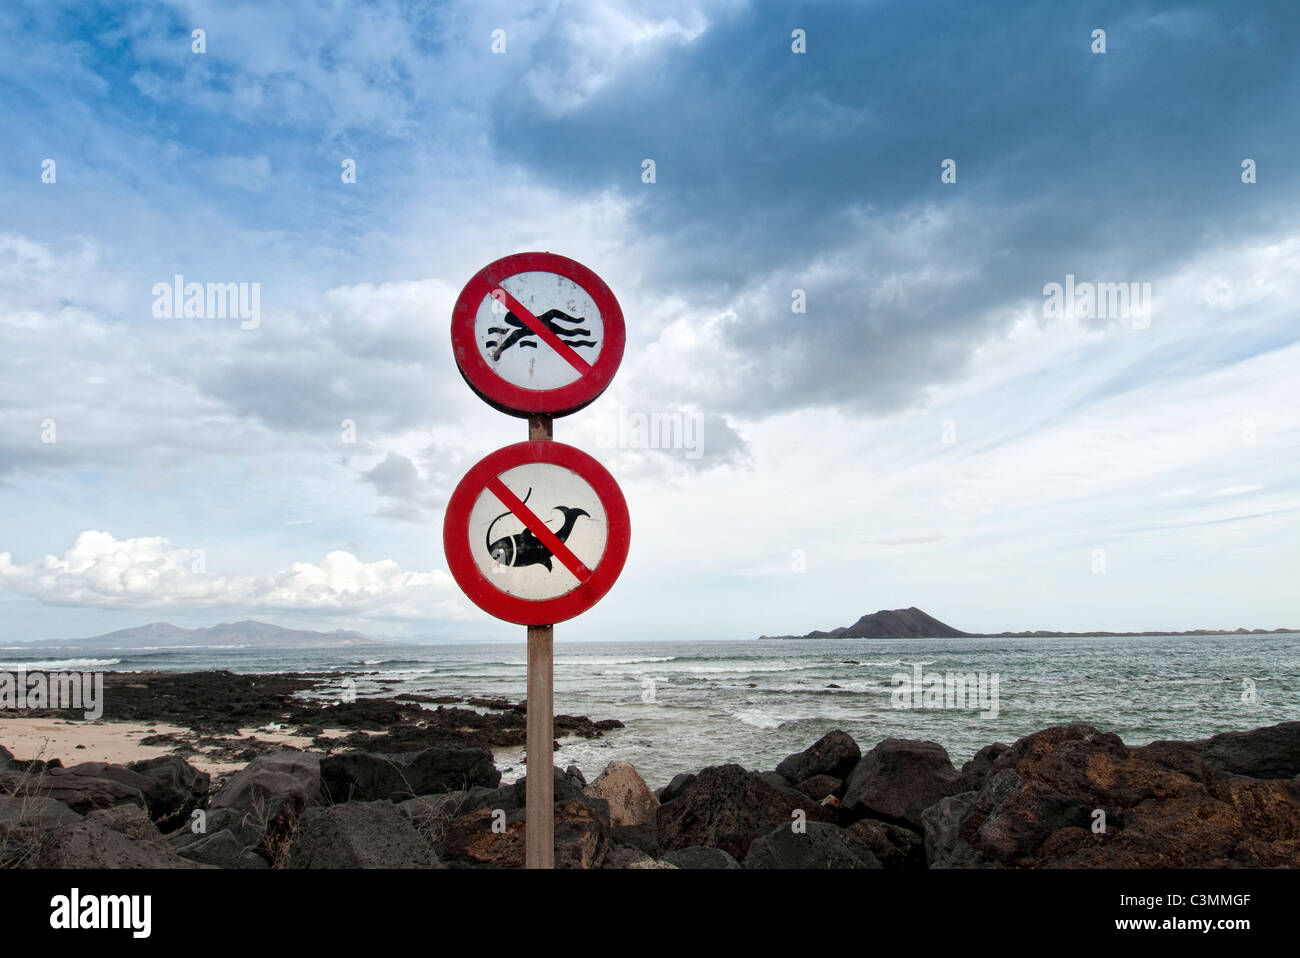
pixel 409 787
pixel 215 705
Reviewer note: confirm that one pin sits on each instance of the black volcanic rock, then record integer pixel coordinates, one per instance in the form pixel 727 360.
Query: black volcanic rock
pixel 899 779
pixel 821 845
pixel 90 845
pixel 700 857
pixel 1271 752
pixel 271 793
pixel 366 777
pixel 820 787
pixel 834 754
pixel 895 846
pixel 1162 806
pixel 175 789
pixel 674 787
pixel 359 835
pixel 728 807
pixel 92 785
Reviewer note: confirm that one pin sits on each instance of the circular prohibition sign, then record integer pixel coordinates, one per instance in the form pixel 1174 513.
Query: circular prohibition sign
pixel 537 334
pixel 536 533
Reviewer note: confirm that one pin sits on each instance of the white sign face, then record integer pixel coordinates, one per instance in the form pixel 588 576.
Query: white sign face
pixel 516 353
pixel 510 553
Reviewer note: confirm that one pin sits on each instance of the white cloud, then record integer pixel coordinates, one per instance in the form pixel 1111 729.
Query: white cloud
pixel 147 573
pixel 599 41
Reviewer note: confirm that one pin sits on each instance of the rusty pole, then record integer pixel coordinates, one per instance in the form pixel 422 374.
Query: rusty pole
pixel 539 797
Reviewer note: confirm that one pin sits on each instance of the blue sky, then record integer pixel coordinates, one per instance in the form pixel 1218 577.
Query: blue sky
pixel 924 434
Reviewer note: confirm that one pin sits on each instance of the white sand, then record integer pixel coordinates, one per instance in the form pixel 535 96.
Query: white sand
pixel 118 742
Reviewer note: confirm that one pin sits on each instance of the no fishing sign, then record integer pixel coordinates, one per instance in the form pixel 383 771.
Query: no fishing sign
pixel 536 533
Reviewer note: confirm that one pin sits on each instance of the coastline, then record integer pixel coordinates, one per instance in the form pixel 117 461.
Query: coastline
pixel 385 782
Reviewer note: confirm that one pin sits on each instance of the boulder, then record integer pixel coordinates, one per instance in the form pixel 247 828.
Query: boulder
pixel 898 780
pixel 1269 752
pixel 581 838
pixel 39 810
pixel 564 788
pixel 728 807
pixel 222 849
pixel 130 820
pixel 1164 805
pixel 92 785
pixel 1239 823
pixel 674 787
pixel 1095 767
pixel 270 795
pixel 775 779
pixel 88 844
pixel 1025 815
pixel 359 835
pixel 368 777
pixel 980 767
pixel 629 856
pixel 700 857
pixel 630 800
pixel 946 844
pixel 33 766
pixel 821 787
pixel 834 754
pixel 431 813
pixel 175 789
pixel 242 825
pixel 819 846
pixel 273 782
pixel 643 837
pixel 896 847
pixel 25 821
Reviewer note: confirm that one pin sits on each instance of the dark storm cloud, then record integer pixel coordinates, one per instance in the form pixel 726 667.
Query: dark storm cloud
pixel 821 171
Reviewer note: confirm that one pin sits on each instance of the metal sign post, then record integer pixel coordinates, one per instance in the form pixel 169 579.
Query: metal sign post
pixel 539 797
pixel 516 331
pixel 539 738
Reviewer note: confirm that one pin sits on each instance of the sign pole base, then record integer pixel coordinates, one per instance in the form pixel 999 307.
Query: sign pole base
pixel 539 796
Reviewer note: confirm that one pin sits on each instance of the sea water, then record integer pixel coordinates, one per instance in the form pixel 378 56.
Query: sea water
pixel 687 705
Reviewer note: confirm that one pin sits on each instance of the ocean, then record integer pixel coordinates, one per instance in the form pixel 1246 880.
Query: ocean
pixel 688 705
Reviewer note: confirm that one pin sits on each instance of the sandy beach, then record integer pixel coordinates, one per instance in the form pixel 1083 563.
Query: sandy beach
pixel 118 743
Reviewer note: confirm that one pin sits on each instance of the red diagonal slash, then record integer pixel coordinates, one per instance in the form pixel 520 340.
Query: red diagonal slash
pixel 536 325
pixel 538 528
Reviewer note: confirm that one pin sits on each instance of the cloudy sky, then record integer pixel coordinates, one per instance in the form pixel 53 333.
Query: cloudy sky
pixel 927 431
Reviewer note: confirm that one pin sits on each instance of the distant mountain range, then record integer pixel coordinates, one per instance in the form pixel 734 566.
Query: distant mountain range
pixel 246 633
pixel 914 624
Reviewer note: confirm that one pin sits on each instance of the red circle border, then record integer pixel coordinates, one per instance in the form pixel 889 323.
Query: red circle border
pixel 481 591
pixel 515 400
